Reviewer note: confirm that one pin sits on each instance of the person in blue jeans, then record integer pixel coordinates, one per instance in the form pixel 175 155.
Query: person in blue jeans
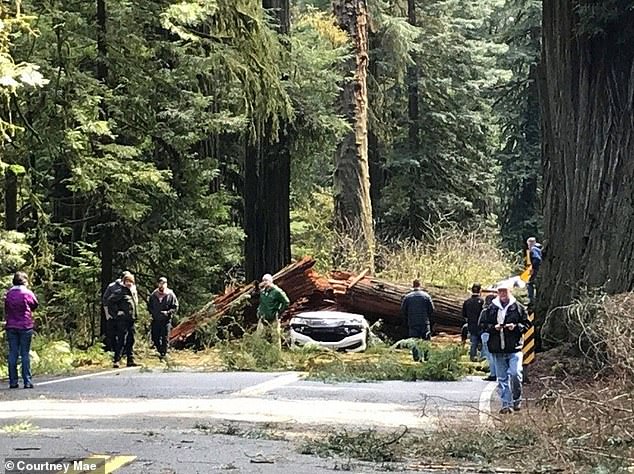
pixel 506 321
pixel 19 304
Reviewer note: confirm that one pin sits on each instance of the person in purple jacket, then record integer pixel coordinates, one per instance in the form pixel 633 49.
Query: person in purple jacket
pixel 19 304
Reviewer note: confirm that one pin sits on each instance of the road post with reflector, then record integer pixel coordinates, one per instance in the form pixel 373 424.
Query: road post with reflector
pixel 528 349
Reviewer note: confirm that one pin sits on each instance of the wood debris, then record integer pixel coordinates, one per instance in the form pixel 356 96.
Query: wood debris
pixel 342 291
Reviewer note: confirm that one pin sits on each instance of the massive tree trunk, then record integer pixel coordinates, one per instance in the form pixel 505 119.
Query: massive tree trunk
pixel 587 101
pixel 267 186
pixel 353 208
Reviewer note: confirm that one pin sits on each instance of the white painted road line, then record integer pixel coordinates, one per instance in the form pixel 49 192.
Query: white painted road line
pixel 86 376
pixel 484 407
pixel 269 385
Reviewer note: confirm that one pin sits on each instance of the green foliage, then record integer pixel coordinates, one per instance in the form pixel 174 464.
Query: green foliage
pixel 449 173
pixel 318 48
pixel 368 445
pixel 252 352
pixel 311 229
pixel 55 357
pixel 13 254
pixel 75 297
pixel 519 186
pixel 442 364
pixel 14 76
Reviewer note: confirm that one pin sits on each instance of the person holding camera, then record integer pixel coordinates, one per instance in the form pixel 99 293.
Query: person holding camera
pixel 506 321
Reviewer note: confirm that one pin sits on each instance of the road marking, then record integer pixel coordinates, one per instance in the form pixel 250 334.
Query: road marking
pixel 86 376
pixel 117 462
pixel 484 407
pixel 269 385
pixel 109 464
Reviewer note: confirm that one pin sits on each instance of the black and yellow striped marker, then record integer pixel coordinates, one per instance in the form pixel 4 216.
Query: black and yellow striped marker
pixel 529 343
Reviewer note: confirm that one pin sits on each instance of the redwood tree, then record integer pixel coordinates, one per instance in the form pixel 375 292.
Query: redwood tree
pixel 587 99
pixel 353 208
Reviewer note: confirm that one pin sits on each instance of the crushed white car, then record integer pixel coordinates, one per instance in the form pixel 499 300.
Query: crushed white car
pixel 331 329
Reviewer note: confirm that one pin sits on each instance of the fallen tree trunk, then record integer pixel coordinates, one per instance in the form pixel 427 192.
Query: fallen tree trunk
pixel 308 291
pixel 298 280
pixel 378 299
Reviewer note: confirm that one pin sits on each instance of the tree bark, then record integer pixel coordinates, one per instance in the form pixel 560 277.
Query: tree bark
pixel 587 100
pixel 267 185
pixel 353 207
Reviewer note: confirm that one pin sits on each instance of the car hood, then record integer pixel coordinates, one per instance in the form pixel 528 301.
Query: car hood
pixel 328 319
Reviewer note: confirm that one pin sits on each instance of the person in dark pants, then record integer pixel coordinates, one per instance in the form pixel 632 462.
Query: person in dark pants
pixel 110 321
pixel 471 309
pixel 122 304
pixel 535 258
pixel 19 304
pixel 484 337
pixel 162 306
pixel 417 307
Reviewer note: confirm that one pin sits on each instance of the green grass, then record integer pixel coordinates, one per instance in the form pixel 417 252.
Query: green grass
pixel 454 259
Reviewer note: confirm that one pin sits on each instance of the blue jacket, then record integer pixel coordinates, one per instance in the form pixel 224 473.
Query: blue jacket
pixel 417 307
pixel 536 258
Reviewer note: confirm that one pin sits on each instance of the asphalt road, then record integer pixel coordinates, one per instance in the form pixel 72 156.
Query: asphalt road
pixel 186 422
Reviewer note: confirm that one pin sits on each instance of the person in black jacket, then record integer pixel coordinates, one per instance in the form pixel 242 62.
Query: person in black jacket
pixel 162 305
pixel 484 337
pixel 110 321
pixel 471 309
pixel 418 308
pixel 122 306
pixel 506 320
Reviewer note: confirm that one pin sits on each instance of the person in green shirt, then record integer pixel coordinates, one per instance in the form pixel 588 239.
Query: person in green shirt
pixel 273 302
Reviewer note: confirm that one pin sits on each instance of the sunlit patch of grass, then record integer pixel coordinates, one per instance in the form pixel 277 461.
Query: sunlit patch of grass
pixel 453 259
